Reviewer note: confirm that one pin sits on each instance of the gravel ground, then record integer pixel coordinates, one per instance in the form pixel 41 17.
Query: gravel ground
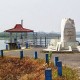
pixel 71 60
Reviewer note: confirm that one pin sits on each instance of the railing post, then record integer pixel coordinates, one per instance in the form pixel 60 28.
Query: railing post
pixel 6 46
pixel 21 54
pixel 35 55
pixel 1 53
pixel 56 59
pixel 19 47
pixel 48 74
pixel 45 41
pixel 27 45
pixel 40 41
pixel 47 58
pixel 59 65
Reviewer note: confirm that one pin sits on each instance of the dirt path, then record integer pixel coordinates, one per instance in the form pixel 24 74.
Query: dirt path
pixel 71 60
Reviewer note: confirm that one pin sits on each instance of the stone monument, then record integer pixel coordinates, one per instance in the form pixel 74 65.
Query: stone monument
pixel 68 33
pixel 68 37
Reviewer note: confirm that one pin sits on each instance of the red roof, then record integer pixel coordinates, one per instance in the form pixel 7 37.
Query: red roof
pixel 18 28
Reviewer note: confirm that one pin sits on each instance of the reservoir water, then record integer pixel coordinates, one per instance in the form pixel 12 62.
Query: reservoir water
pixel 2 44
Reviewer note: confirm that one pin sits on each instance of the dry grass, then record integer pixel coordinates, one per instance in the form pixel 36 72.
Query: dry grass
pixel 12 68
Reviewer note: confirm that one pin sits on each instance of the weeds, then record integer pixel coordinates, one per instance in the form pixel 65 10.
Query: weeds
pixel 12 68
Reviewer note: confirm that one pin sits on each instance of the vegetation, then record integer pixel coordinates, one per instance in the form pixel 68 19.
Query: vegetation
pixel 12 68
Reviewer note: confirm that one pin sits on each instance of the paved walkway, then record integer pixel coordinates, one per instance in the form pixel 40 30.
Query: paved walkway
pixel 71 60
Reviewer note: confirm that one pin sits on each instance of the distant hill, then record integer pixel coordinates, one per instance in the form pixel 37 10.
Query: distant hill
pixel 38 34
pixel 48 35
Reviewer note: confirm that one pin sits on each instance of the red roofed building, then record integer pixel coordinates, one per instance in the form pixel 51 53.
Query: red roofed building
pixel 19 28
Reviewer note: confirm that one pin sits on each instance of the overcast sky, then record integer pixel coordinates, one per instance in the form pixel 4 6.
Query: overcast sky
pixel 38 15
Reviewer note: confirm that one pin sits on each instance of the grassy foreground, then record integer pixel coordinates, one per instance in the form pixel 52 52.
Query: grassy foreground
pixel 12 68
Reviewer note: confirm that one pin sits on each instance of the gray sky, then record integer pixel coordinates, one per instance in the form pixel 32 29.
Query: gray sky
pixel 39 15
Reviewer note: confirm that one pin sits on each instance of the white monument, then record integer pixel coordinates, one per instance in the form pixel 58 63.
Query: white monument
pixel 68 37
pixel 68 33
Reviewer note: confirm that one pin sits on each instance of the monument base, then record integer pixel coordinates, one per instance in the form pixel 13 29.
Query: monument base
pixel 72 44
